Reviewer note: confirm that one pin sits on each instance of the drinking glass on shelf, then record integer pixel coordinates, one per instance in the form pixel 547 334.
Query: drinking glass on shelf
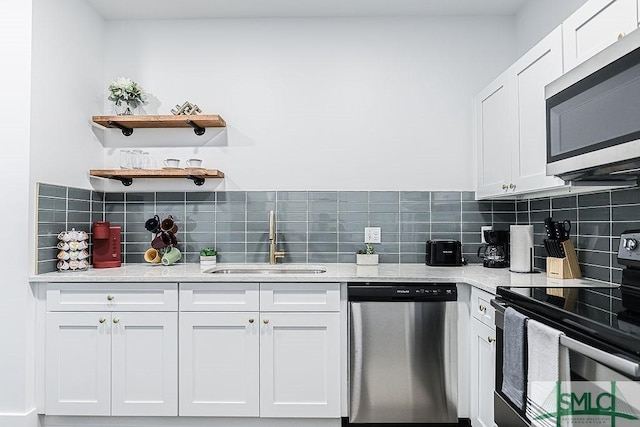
pixel 137 159
pixel 125 159
pixel 150 162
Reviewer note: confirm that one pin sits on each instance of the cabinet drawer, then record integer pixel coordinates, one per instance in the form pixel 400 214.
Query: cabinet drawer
pixel 300 296
pixel 481 306
pixel 219 297
pixel 113 297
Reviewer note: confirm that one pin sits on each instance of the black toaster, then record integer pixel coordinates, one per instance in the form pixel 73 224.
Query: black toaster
pixel 444 253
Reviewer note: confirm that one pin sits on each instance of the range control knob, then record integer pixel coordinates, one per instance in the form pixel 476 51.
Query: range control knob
pixel 630 243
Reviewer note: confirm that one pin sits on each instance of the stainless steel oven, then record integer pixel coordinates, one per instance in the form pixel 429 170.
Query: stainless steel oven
pixel 600 328
pixel 601 352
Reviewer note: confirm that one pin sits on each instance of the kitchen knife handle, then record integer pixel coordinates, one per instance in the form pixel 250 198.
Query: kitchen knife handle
pixel 559 230
pixel 550 228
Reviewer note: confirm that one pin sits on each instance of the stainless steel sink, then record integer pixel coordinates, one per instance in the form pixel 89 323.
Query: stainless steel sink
pixel 268 269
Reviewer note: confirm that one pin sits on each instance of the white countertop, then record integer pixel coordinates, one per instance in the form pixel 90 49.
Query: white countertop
pixel 476 275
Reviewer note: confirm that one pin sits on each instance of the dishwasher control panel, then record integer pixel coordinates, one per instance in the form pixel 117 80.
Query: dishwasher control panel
pixel 374 291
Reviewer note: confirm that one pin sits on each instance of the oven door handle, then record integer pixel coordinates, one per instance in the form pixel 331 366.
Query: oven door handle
pixel 617 362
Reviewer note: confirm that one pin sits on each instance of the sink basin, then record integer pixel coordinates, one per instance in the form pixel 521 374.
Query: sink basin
pixel 268 269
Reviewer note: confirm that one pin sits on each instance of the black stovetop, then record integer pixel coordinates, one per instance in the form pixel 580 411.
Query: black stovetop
pixel 593 315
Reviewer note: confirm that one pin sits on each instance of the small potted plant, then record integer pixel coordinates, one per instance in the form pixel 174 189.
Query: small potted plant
pixel 208 258
pixel 367 256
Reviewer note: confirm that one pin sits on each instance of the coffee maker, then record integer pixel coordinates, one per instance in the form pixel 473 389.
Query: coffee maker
pixel 106 245
pixel 495 253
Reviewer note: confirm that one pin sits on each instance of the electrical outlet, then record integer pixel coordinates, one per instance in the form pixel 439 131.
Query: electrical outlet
pixel 372 234
pixel 482 230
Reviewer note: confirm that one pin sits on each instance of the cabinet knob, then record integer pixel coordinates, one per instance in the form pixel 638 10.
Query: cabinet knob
pixel 110 297
pixel 621 35
pixel 265 321
pixel 491 339
pixel 483 308
pixel 512 186
pixel 505 186
pixel 251 320
pixel 102 320
pixel 116 320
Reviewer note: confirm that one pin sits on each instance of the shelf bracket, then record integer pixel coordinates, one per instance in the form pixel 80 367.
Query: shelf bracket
pixel 196 129
pixel 125 130
pixel 196 180
pixel 126 181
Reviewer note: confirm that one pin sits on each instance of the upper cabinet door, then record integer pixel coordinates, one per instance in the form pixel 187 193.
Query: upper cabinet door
pixel 492 138
pixel 596 25
pixel 527 79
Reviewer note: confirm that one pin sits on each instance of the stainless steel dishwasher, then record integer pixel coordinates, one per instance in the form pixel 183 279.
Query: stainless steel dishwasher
pixel 402 353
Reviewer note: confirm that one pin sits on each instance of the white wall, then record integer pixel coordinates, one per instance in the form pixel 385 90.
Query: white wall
pixel 67 90
pixel 537 18
pixel 352 103
pixel 16 313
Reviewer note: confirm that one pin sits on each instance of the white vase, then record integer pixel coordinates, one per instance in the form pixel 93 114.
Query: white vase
pixel 207 262
pixel 125 109
pixel 367 259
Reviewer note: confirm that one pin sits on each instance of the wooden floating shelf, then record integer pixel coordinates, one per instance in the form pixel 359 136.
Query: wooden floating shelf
pixel 129 122
pixel 126 176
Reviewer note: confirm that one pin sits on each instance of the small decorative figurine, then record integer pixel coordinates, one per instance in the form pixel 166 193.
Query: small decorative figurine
pixel 186 109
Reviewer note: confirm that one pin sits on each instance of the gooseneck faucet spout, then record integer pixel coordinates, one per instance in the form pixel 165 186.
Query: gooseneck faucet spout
pixel 274 254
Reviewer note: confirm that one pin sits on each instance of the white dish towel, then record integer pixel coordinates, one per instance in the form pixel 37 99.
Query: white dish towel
pixel 548 363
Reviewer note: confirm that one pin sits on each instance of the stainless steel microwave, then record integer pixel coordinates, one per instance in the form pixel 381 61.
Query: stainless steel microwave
pixel 593 117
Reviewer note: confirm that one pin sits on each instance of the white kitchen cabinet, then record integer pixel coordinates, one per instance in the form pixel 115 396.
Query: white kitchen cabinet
pixel 596 25
pixel 126 296
pixel 300 365
pixel 111 350
pixel 492 138
pixel 111 363
pixel 219 364
pixel 78 364
pixel 511 124
pixel 299 297
pixel 281 361
pixel 219 349
pixel 482 374
pixel 482 358
pixel 144 365
pixel 527 79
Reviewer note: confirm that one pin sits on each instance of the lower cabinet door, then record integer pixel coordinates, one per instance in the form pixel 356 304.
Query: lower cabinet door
pixel 78 364
pixel 482 374
pixel 145 363
pixel 219 363
pixel 300 365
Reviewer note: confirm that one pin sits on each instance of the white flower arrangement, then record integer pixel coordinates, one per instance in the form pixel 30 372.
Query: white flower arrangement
pixel 123 89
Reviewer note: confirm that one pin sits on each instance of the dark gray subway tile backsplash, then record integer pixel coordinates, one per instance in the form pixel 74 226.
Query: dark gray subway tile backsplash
pixel 61 208
pixel 313 226
pixel 597 221
pixel 328 226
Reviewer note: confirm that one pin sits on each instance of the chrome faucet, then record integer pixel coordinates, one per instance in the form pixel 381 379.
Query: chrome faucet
pixel 274 254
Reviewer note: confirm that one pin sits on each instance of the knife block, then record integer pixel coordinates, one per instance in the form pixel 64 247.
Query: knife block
pixel 567 267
